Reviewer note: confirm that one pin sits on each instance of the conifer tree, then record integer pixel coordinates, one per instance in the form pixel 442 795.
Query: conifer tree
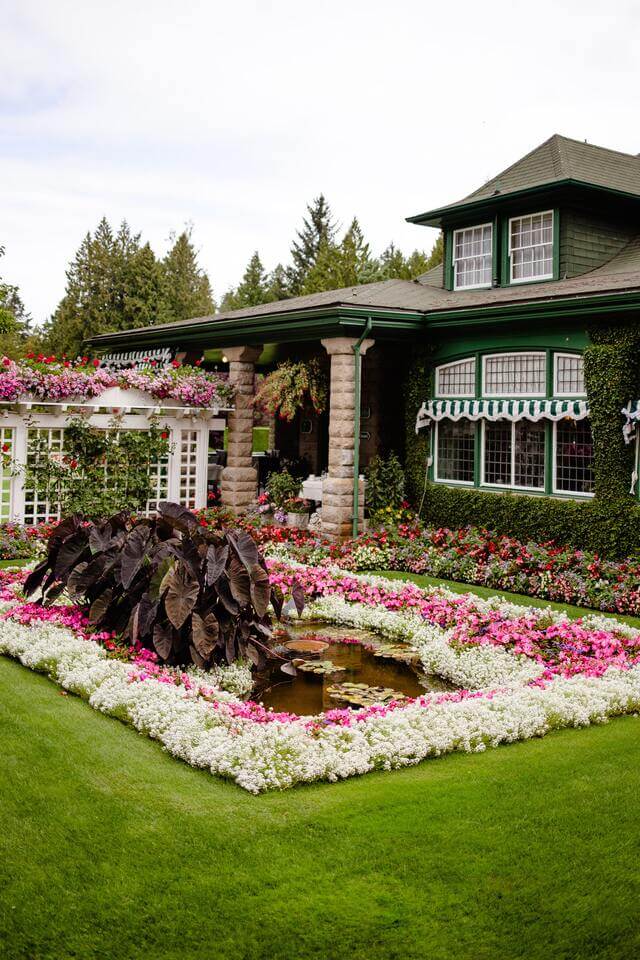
pixel 253 288
pixel 187 287
pixel 318 230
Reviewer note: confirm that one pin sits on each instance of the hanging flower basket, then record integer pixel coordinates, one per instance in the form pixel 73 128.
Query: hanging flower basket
pixel 291 387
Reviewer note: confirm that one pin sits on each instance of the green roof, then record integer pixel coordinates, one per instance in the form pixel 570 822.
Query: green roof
pixel 557 161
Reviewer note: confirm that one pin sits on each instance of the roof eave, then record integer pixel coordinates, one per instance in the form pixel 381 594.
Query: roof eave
pixel 434 218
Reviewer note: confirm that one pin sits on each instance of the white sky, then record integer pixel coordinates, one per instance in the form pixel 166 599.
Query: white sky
pixel 233 115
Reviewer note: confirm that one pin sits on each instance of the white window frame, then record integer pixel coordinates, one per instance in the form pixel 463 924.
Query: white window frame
pixel 437 479
pixel 570 494
pixel 543 276
pixel 474 286
pixel 444 366
pixel 564 393
pixel 506 486
pixel 512 396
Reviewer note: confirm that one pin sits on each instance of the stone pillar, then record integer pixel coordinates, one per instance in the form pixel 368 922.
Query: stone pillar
pixel 337 489
pixel 239 485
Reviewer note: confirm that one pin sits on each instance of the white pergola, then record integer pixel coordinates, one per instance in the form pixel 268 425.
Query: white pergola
pixel 180 477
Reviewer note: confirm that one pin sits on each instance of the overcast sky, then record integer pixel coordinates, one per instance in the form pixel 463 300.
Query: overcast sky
pixel 233 115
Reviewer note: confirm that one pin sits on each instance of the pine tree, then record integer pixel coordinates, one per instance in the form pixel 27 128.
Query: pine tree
pixel 144 299
pixel 346 264
pixel 16 333
pixel 318 230
pixel 252 290
pixel 277 284
pixel 187 287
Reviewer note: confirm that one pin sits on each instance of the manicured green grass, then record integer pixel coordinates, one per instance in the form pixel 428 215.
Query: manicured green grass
pixel 485 592
pixel 111 849
pixel 12 563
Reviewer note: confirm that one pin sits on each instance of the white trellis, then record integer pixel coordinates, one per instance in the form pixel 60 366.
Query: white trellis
pixel 181 476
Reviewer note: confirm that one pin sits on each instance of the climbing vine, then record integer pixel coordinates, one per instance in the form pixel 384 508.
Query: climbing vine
pixel 98 472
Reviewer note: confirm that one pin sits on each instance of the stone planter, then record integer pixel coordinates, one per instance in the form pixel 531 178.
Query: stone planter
pixel 300 520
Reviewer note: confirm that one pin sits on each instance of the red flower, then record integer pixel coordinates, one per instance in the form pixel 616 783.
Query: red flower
pixel 197 363
pixel 6 447
pixel 164 435
pixel 73 464
pixel 96 363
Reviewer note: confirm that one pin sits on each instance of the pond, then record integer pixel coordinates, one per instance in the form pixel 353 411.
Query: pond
pixel 350 668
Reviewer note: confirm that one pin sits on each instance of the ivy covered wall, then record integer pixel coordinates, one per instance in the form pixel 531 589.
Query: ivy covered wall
pixel 610 522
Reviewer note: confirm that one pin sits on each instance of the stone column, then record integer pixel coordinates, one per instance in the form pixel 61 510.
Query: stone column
pixel 337 489
pixel 239 484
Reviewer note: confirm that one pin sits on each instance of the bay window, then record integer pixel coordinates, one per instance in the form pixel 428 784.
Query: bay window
pixel 514 454
pixel 573 467
pixel 531 247
pixel 473 257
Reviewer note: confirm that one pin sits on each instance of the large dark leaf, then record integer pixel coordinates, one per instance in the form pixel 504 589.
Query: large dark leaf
pixel 163 639
pixel 100 607
pixel 78 581
pixel 205 634
pixel 100 538
pixel 260 589
pixel 277 601
pixel 224 593
pixel 181 518
pixel 133 553
pixel 288 667
pixel 63 530
pixel 36 577
pixel 161 578
pixel 75 548
pixel 148 613
pixel 181 596
pixel 297 595
pixel 239 581
pixel 246 548
pixel 216 562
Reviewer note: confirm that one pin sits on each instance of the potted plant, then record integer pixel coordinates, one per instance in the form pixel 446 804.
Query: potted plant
pixel 298 510
pixel 264 509
pixel 280 488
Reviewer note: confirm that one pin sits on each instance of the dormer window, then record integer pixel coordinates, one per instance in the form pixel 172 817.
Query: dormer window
pixel 472 257
pixel 531 247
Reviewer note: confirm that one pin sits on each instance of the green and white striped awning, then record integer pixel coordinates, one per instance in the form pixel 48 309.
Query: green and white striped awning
pixel 435 410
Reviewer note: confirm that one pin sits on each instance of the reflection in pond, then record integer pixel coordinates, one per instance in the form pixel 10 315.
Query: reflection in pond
pixel 335 674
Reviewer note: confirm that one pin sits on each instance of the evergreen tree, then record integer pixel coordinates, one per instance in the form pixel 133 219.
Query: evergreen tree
pixel 318 231
pixel 144 295
pixel 346 264
pixel 16 333
pixel 393 265
pixel 252 290
pixel 187 287
pixel 277 284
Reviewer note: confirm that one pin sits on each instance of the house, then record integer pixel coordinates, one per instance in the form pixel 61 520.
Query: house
pixel 514 358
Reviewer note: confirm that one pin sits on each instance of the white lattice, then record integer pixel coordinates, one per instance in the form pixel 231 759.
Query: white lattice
pixel 188 467
pixel 42 504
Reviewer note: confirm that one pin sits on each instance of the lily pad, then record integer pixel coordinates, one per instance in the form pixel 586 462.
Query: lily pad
pixel 318 666
pixel 362 695
pixel 306 646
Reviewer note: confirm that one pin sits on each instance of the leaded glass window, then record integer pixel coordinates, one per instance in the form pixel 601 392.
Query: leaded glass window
pixel 472 256
pixel 514 454
pixel 456 451
pixel 457 379
pixel 515 374
pixel 569 374
pixel 573 457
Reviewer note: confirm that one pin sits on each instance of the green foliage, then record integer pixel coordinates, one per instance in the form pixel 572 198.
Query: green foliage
pixel 282 487
pixel 416 446
pixel 100 471
pixel 291 386
pixel 189 595
pixel 253 289
pixel 187 289
pixel 385 484
pixel 116 283
pixel 394 265
pixel 16 335
pixel 318 230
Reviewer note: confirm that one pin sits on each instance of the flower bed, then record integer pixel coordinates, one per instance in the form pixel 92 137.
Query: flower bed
pixel 524 672
pixel 47 378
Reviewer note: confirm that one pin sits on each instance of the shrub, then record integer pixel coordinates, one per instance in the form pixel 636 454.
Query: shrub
pixel 385 484
pixel 166 584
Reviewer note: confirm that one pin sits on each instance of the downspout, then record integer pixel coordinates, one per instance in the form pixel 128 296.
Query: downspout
pixel 357 367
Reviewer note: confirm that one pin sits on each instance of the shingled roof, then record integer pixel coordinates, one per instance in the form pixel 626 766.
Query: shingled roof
pixel 557 160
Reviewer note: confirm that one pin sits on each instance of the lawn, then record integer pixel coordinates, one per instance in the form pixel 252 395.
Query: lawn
pixel 111 849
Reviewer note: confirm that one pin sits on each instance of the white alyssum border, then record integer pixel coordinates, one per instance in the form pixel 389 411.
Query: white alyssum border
pixel 275 755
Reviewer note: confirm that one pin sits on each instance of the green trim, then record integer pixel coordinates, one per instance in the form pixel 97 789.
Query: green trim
pixel 556 243
pixel 433 218
pixel 448 259
pixel 544 309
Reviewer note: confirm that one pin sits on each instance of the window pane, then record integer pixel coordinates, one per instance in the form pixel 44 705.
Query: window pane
pixel 574 456
pixel 473 256
pixel 518 374
pixel 456 450
pixel 532 247
pixel 569 374
pixel 529 454
pixel 457 379
pixel 497 453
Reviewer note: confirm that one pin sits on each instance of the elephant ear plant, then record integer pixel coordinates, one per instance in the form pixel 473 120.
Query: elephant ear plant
pixel 190 594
